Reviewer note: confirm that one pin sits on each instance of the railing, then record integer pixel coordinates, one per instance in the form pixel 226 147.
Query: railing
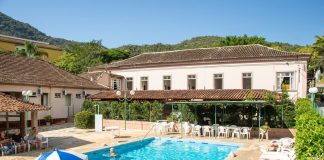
pixel 319 110
pixel 149 131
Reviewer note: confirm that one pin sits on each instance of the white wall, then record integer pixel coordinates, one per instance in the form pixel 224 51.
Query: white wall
pixel 264 75
pixel 58 108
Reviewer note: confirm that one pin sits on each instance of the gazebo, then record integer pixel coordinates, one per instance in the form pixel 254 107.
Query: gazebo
pixel 18 109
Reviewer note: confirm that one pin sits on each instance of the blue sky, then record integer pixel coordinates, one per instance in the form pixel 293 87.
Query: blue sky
pixel 119 22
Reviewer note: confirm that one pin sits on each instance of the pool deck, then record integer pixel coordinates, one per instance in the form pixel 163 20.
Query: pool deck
pixel 66 136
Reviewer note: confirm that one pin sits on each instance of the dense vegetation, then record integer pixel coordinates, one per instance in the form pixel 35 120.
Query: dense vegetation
pixel 310 135
pixel 135 110
pixel 12 27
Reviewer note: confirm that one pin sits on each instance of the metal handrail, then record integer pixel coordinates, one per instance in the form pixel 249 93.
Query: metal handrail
pixel 149 131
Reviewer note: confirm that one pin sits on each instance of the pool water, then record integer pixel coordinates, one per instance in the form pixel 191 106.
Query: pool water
pixel 168 149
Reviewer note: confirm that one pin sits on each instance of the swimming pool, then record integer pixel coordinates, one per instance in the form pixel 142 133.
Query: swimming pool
pixel 168 149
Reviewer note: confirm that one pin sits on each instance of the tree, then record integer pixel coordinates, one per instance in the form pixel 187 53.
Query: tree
pixel 319 45
pixel 31 50
pixel 76 58
pixel 242 40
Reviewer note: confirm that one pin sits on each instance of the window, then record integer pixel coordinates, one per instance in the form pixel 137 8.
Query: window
pixel 218 81
pixel 44 99
pixel 144 83
pixel 129 83
pixel 167 82
pixel 57 95
pixel 191 81
pixel 285 80
pixel 247 80
pixel 116 84
pixel 78 96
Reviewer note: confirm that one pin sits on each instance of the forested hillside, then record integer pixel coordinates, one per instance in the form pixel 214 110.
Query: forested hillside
pixel 12 27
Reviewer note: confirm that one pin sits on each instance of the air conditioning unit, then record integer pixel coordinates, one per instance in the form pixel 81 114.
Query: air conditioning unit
pixel 39 91
pixel 64 92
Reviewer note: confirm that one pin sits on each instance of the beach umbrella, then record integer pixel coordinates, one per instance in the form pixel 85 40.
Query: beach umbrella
pixel 58 154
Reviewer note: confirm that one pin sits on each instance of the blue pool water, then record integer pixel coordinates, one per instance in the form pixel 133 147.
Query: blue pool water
pixel 168 149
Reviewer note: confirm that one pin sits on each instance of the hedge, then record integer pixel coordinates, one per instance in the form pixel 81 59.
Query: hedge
pixel 310 131
pixel 84 120
pixel 135 110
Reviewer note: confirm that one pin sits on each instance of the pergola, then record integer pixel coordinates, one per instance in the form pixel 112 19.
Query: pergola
pixel 216 97
pixel 10 104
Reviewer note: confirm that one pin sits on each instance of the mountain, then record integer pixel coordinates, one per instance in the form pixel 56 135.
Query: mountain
pixel 12 27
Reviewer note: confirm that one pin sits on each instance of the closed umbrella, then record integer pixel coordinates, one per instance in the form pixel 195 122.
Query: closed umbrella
pixel 58 154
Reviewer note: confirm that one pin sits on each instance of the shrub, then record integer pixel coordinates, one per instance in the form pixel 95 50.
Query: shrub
pixel 156 111
pixel 84 119
pixel 310 131
pixel 48 118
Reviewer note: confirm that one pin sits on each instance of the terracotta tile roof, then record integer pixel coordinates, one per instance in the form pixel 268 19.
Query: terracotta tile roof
pixel 12 104
pixel 30 71
pixel 212 94
pixel 21 41
pixel 95 75
pixel 229 54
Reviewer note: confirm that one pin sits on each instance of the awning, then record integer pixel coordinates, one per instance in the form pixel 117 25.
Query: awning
pixel 12 104
pixel 172 95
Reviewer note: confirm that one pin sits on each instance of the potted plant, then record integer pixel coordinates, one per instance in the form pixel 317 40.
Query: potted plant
pixel 48 119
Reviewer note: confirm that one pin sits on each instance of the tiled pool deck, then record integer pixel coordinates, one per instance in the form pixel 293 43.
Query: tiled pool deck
pixel 66 136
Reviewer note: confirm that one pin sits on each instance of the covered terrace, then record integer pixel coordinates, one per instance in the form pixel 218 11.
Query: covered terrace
pixel 14 109
pixel 217 99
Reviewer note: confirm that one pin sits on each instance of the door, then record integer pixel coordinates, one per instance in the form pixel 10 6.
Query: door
pixel 68 104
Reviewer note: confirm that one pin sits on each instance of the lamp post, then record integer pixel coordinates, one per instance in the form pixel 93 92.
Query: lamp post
pixel 26 94
pixel 313 91
pixel 123 97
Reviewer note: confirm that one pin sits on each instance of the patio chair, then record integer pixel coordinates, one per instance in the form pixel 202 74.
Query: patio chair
pixel 236 132
pixel 245 131
pixel 222 131
pixel 286 144
pixel 2 149
pixel 171 127
pixel 186 128
pixel 206 130
pixel 264 133
pixel 196 130
pixel 44 140
pixel 28 143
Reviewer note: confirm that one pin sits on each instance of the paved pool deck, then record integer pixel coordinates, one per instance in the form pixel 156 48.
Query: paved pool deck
pixel 66 136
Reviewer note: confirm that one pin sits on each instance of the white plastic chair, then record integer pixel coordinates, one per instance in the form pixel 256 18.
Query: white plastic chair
pixel 245 131
pixel 44 140
pixel 286 144
pixel 196 130
pixel 28 143
pixel 222 131
pixel 236 132
pixel 171 127
pixel 206 130
pixel 263 133
pixel 186 128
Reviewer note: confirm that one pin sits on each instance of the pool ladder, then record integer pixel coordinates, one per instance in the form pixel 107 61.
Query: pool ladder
pixel 149 131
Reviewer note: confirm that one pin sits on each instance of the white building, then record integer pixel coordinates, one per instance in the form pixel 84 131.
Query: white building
pixel 51 86
pixel 232 67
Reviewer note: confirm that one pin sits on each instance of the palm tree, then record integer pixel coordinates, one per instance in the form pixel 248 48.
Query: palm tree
pixel 31 50
pixel 319 45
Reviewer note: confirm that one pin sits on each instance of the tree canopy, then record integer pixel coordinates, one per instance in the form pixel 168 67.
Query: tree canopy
pixel 78 57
